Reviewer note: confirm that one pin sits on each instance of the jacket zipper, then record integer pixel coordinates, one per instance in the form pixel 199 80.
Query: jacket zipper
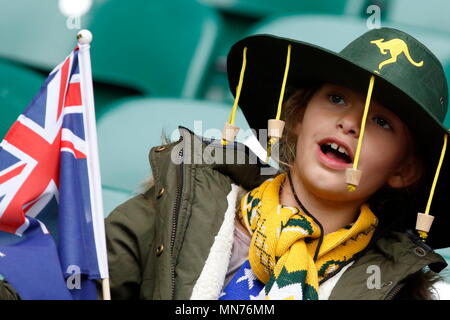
pixel 175 222
pixel 394 292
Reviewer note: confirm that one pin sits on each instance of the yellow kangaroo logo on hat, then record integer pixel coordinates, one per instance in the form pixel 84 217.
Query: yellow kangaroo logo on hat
pixel 395 47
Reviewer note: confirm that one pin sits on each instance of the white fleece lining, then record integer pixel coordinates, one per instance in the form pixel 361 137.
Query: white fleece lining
pixel 328 286
pixel 210 282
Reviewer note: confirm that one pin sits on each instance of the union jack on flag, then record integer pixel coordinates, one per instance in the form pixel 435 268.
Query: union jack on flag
pixel 46 171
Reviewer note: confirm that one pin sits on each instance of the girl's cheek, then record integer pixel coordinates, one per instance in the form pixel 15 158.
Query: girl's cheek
pixel 383 153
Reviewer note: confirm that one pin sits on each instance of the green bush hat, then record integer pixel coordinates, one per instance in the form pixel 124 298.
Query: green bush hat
pixel 387 65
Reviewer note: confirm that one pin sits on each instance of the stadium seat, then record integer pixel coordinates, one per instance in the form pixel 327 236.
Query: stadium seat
pixel 264 8
pixel 331 32
pixel 334 32
pixel 43 36
pixel 430 14
pixel 160 48
pixel 36 33
pixel 128 130
pixel 112 198
pixel 18 86
pixel 145 121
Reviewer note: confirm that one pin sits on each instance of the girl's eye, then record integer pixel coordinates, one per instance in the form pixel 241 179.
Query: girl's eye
pixel 336 99
pixel 382 122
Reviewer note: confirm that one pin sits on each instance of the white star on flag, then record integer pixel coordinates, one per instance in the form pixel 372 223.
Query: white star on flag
pixel 2 255
pixel 249 276
pixel 261 295
pixel 293 291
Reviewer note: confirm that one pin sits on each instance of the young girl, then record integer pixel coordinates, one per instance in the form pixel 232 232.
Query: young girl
pixel 363 145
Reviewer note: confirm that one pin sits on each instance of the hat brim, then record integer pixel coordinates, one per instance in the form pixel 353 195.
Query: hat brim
pixel 266 58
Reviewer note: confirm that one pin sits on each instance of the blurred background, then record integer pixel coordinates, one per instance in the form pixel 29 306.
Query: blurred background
pixel 158 64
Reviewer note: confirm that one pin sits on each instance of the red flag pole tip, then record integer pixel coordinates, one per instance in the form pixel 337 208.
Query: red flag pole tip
pixel 84 37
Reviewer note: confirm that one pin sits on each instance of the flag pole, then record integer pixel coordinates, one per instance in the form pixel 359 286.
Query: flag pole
pixel 84 38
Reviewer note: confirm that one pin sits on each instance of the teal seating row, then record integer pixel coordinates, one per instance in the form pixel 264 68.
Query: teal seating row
pixel 178 49
pixel 333 32
pixel 162 48
pixel 36 33
pixel 18 86
pixel 132 126
pixel 264 8
pixel 112 197
pixel 430 14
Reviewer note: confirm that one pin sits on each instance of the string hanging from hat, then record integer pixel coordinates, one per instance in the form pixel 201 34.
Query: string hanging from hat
pixel 424 220
pixel 276 125
pixel 229 126
pixel 353 174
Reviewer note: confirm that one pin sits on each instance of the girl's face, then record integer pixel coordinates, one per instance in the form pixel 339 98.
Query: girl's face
pixel 327 139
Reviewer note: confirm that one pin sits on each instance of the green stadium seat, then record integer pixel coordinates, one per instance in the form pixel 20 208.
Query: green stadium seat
pixel 331 32
pixel 334 32
pixel 42 39
pixel 132 126
pixel 264 8
pixel 18 86
pixel 36 33
pixel 430 14
pixel 112 198
pixel 161 48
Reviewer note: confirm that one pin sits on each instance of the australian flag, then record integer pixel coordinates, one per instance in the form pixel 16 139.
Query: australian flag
pixel 49 193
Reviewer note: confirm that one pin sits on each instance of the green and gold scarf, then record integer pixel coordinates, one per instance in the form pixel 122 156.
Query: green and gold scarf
pixel 285 239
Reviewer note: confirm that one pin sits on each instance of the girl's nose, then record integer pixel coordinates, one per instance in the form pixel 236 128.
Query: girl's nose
pixel 350 121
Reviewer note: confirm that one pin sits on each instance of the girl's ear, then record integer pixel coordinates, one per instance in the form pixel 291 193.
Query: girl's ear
pixel 410 171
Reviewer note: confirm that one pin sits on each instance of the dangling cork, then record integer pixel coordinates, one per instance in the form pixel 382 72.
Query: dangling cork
pixel 423 224
pixel 352 178
pixel 229 133
pixel 424 220
pixel 275 128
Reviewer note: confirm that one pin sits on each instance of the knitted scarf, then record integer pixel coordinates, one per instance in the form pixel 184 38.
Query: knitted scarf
pixel 282 252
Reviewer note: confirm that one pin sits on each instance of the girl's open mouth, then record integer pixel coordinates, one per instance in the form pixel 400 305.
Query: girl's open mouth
pixel 334 155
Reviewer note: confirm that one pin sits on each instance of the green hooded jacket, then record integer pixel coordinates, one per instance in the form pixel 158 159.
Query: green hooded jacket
pixel 159 241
